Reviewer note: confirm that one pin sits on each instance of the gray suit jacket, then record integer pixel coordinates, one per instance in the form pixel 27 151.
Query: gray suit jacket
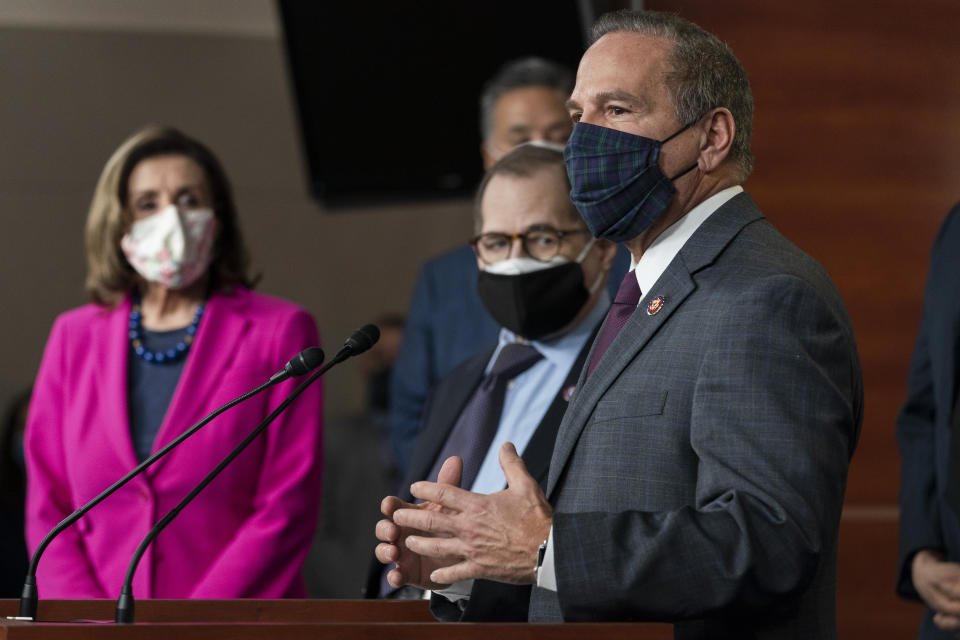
pixel 699 473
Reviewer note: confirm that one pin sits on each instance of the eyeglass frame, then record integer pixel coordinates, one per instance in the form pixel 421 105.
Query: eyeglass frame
pixel 561 234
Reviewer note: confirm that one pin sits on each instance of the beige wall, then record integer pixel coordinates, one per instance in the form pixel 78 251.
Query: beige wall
pixel 72 90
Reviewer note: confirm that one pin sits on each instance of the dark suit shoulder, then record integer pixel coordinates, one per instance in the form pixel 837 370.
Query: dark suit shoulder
pixel 736 241
pixel 945 247
pixel 459 259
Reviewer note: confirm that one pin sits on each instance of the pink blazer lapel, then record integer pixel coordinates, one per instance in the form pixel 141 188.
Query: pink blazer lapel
pixel 221 328
pixel 113 351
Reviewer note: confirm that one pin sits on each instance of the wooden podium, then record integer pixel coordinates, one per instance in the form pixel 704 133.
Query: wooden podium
pixel 286 619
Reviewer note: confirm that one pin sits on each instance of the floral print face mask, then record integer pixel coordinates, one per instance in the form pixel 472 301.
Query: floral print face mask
pixel 172 247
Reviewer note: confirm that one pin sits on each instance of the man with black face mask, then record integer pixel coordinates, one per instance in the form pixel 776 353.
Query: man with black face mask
pixel 542 277
pixel 447 322
pixel 698 474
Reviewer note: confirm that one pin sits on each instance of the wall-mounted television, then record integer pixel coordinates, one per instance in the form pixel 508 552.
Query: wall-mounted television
pixel 387 92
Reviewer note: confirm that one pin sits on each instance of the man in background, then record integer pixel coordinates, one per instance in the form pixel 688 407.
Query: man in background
pixel 446 322
pixel 542 277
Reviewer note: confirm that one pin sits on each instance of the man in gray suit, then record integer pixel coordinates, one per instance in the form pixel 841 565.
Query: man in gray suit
pixel 699 472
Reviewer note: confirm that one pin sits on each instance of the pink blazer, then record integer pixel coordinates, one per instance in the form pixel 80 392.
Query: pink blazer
pixel 247 534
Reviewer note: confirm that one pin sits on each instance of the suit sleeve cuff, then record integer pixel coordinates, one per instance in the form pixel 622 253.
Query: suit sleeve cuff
pixel 457 591
pixel 547 576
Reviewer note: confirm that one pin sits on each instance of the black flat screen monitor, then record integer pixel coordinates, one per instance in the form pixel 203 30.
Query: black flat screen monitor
pixel 388 92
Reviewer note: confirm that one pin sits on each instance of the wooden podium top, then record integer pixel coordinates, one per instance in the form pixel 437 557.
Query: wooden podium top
pixel 287 619
pixel 232 610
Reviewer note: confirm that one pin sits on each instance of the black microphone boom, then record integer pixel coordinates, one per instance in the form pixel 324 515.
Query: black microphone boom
pixel 361 340
pixel 302 363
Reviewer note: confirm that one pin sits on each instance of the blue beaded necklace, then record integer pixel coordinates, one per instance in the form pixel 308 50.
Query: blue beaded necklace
pixel 160 357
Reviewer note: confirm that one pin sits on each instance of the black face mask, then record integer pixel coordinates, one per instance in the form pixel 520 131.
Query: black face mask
pixel 536 303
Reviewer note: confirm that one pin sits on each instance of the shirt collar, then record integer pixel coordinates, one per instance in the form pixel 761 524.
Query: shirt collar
pixel 665 248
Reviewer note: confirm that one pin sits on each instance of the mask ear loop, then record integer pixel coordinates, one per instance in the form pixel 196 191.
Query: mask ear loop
pixel 685 171
pixel 665 141
pixel 583 253
pixel 495 153
pixel 596 283
pixel 679 131
pixel 599 279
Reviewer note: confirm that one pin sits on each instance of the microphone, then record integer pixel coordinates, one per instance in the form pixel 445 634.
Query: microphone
pixel 358 342
pixel 302 363
pixel 361 340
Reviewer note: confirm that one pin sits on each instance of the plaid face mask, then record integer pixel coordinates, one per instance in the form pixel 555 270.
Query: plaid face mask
pixel 616 183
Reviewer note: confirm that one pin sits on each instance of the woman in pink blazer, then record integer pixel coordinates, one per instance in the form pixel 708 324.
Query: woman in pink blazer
pixel 174 331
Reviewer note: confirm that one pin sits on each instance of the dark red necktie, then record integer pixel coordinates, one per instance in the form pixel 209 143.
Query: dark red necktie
pixel 628 295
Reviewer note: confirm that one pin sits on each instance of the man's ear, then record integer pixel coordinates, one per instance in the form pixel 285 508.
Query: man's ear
pixel 488 159
pixel 718 131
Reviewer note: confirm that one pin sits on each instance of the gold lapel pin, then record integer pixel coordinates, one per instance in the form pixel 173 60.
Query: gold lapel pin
pixel 655 305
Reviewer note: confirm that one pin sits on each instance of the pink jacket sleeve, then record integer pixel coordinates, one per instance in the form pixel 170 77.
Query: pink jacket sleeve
pixel 49 494
pixel 270 547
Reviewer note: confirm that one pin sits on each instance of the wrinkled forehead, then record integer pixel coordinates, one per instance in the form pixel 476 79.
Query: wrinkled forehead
pixel 624 61
pixel 166 170
pixel 512 203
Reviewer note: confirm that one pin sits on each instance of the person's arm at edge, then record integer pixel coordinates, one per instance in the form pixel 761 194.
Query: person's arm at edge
pixel 919 523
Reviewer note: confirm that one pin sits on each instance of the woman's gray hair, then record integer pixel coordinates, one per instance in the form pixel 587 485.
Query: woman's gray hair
pixel 518 74
pixel 705 73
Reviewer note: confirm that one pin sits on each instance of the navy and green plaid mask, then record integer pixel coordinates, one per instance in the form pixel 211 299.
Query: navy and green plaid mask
pixel 616 183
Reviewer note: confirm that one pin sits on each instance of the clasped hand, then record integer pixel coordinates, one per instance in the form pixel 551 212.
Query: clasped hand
pixel 938 583
pixel 458 535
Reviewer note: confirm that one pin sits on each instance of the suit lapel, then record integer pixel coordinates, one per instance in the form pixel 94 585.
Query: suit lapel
pixel 537 454
pixel 675 285
pixel 447 401
pixel 223 325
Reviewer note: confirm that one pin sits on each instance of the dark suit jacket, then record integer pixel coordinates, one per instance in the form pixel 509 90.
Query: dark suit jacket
pixel 699 472
pixel 489 601
pixel 924 427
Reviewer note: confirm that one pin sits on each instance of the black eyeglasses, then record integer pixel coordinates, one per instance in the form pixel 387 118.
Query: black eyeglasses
pixel 540 243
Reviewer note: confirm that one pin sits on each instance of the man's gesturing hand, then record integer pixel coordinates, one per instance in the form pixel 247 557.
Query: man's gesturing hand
pixel 494 536
pixel 411 568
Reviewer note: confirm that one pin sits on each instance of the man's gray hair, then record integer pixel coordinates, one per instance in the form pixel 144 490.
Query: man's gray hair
pixel 518 74
pixel 524 161
pixel 705 73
